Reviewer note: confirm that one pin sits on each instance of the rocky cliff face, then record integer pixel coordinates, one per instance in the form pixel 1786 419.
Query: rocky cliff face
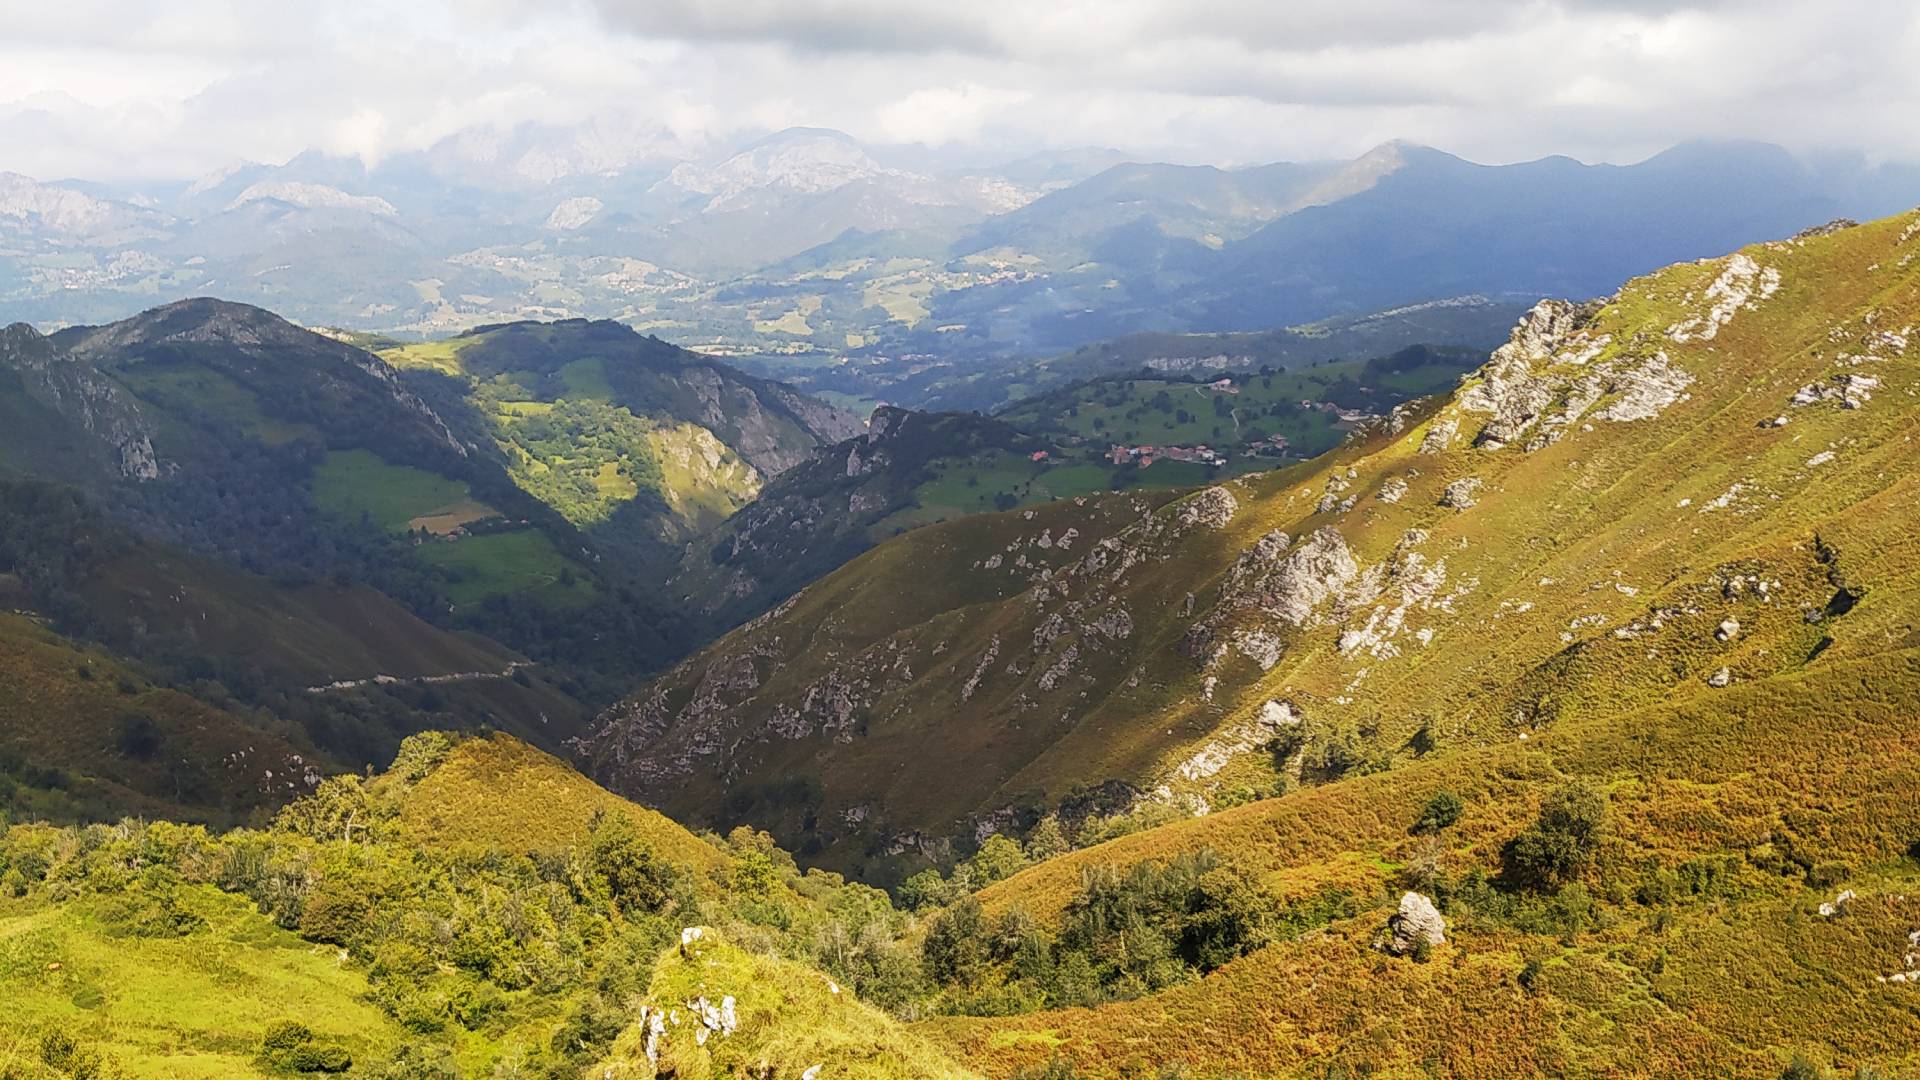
pixel 771 425
pixel 80 395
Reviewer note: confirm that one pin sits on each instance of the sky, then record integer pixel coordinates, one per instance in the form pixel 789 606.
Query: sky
pixel 126 90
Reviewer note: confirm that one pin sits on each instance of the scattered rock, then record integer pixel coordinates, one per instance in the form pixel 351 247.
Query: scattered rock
pixel 1462 493
pixel 1850 390
pixel 1727 630
pixel 1828 229
pixel 1440 436
pixel 1416 922
pixel 1720 679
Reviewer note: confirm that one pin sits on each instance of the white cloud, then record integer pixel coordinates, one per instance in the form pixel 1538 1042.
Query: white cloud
pixel 124 88
pixel 938 115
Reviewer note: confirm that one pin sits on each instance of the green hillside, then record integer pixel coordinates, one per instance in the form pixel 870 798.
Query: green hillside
pixel 365 931
pixel 84 736
pixel 1301 406
pixel 637 442
pixel 1609 516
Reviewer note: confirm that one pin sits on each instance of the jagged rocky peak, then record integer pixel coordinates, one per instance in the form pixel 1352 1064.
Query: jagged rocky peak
pixel 886 422
pixel 18 338
pixel 1556 369
pixel 81 395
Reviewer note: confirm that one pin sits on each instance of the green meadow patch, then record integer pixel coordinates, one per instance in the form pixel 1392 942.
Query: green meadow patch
pixel 359 483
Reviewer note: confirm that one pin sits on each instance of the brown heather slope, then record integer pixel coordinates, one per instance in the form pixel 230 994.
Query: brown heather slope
pixel 1809 769
pixel 1562 539
pixel 83 736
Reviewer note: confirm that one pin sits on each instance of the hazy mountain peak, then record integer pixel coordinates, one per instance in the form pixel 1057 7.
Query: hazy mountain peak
pixel 1363 172
pixel 57 208
pixel 311 197
pixel 219 176
pixel 803 160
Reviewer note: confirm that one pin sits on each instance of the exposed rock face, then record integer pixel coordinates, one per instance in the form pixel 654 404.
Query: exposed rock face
pixel 1297 586
pixel 1742 284
pixel 1440 435
pixel 1291 587
pixel 1550 375
pixel 756 419
pixel 1274 718
pixel 84 396
pixel 1509 388
pixel 1417 922
pixel 1212 508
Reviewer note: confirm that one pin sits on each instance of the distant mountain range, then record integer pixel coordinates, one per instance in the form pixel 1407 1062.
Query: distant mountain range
pixel 809 247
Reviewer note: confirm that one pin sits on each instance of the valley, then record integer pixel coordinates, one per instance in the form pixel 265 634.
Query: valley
pixel 555 565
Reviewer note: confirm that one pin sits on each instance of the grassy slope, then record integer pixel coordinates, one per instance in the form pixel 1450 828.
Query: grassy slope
pixel 881 619
pixel 309 635
pixel 1122 410
pixel 790 1019
pixel 70 708
pixel 496 791
pixel 176 1007
pixel 1566 545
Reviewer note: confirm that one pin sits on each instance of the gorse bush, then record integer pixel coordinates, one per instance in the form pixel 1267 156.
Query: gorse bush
pixel 289 1046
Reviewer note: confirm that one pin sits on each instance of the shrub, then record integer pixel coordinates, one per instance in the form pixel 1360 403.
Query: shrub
pixel 1826 875
pixel 1529 977
pixel 1441 811
pixel 139 737
pixel 64 1054
pixel 1801 1068
pixel 289 1046
pixel 1563 841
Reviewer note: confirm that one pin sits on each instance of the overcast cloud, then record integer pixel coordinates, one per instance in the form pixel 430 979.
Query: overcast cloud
pixel 128 89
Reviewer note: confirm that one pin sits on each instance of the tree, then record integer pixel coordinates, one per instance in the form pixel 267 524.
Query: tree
pixel 1047 839
pixel 1000 857
pixel 1563 841
pixel 955 947
pixel 635 877
pixel 754 875
pixel 925 889
pixel 339 809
